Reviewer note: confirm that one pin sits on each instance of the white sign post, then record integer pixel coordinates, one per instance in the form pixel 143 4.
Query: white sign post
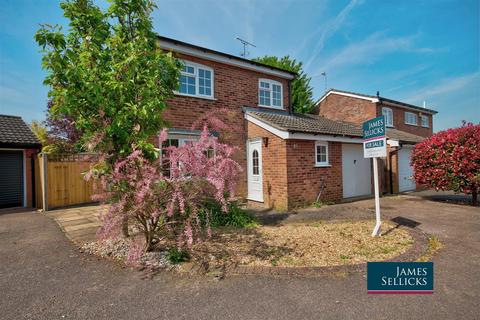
pixel 374 146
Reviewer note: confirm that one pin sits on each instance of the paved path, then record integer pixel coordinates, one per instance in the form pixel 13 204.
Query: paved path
pixel 43 276
pixel 79 224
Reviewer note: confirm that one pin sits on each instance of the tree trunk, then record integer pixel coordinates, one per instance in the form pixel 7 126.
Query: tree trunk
pixel 125 228
pixel 474 197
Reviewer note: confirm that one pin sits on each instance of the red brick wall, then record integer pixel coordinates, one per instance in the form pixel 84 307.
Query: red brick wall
pixel 290 178
pixel 305 180
pixel 399 121
pixel 233 88
pixel 274 167
pixel 343 108
pixel 29 154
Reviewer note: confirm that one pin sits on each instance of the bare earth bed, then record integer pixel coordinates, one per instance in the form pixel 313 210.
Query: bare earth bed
pixel 314 244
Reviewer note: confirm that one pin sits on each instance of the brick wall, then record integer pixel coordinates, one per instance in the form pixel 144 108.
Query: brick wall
pixel 290 178
pixel 29 154
pixel 399 121
pixel 305 180
pixel 233 88
pixel 343 108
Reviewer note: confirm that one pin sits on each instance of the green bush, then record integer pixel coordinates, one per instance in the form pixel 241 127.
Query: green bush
pixel 176 256
pixel 235 216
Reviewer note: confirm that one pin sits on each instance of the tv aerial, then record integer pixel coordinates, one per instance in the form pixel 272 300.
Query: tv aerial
pixel 245 44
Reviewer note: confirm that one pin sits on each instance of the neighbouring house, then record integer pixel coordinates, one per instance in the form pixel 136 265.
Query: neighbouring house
pixel 289 159
pixel 18 146
pixel 406 124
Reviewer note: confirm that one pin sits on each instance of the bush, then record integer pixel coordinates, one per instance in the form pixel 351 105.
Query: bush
pixel 176 256
pixel 235 216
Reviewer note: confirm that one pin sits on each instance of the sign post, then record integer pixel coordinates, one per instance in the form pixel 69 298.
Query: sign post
pixel 374 146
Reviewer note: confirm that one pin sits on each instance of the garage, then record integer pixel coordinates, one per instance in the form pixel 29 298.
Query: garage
pixel 405 171
pixel 356 171
pixel 11 178
pixel 18 147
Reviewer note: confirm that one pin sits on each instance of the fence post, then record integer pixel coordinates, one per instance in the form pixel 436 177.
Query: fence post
pixel 44 180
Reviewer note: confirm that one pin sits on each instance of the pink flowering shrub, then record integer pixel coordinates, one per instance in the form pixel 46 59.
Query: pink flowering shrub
pixel 450 160
pixel 160 206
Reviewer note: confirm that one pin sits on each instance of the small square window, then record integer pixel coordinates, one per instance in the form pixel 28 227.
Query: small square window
pixel 410 118
pixel 321 154
pixel 270 94
pixel 424 121
pixel 196 80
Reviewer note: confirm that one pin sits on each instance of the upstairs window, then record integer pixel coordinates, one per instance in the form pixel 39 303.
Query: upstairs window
pixel 424 121
pixel 410 118
pixel 270 94
pixel 388 114
pixel 321 154
pixel 196 80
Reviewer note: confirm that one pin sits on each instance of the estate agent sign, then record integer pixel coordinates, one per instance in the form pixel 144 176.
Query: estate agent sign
pixel 374 140
pixel 374 146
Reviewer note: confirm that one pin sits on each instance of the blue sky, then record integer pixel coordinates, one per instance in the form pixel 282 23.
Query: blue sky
pixel 412 51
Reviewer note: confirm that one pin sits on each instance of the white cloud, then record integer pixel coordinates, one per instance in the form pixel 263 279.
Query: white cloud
pixel 445 86
pixel 328 30
pixel 365 51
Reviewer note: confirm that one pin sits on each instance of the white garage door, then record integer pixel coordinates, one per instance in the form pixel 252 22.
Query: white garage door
pixel 356 172
pixel 405 171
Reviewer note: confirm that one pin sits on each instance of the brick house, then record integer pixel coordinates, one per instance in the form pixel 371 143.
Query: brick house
pixel 407 125
pixel 18 146
pixel 289 159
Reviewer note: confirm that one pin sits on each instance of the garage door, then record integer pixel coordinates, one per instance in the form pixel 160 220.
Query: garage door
pixel 11 179
pixel 405 171
pixel 356 171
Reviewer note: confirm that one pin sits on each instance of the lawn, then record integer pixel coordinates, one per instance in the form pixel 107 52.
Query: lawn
pixel 315 244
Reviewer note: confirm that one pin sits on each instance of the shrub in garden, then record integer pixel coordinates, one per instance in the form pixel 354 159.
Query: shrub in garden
pixel 450 160
pixel 177 205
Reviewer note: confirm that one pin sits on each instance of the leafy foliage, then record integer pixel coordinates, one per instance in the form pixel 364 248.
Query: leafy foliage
pixel 50 143
pixel 450 160
pixel 160 206
pixel 234 217
pixel 176 256
pixel 302 92
pixel 107 76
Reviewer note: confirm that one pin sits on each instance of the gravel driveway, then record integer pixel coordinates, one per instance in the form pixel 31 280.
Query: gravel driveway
pixel 43 276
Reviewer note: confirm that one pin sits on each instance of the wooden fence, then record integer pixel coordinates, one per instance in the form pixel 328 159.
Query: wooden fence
pixel 60 180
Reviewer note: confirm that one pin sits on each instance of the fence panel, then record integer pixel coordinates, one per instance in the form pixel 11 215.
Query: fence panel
pixel 63 180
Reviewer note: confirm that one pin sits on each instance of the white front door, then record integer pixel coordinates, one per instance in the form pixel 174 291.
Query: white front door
pixel 405 171
pixel 254 168
pixel 356 172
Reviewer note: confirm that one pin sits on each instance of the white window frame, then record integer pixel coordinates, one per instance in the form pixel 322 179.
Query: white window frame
pixel 427 120
pixel 414 115
pixel 196 67
pixel 325 163
pixel 388 111
pixel 271 82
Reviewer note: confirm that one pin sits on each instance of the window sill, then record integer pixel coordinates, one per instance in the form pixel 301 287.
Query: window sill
pixel 411 124
pixel 322 165
pixel 194 96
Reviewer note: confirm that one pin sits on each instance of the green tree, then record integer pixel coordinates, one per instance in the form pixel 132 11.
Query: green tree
pixel 302 92
pixel 107 74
